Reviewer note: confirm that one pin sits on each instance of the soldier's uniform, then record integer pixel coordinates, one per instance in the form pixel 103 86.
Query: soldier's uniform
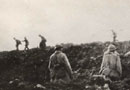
pixel 111 64
pixel 60 69
pixel 42 44
pixel 26 44
pixel 18 42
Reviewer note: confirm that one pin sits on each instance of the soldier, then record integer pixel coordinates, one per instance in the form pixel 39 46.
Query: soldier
pixel 114 36
pixel 42 44
pixel 18 42
pixel 111 64
pixel 26 43
pixel 59 66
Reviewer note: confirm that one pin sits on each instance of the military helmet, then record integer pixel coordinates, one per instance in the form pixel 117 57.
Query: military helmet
pixel 58 47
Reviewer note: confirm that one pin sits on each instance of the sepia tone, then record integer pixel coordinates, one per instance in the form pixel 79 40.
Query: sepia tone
pixel 64 44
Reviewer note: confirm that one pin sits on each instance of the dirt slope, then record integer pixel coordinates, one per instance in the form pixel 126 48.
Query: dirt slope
pixel 20 70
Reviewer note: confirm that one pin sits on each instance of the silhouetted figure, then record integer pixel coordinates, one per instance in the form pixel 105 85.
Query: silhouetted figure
pixel 114 36
pixel 26 43
pixel 18 42
pixel 42 44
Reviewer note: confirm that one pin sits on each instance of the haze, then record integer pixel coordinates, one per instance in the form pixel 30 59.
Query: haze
pixel 63 21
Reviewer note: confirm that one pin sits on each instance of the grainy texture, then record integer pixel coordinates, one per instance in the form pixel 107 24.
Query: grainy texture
pixel 20 70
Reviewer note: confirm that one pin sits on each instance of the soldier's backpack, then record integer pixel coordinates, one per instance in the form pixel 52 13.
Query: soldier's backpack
pixel 59 68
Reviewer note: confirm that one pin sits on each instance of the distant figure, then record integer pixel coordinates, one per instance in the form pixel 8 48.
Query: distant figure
pixel 18 42
pixel 111 64
pixel 26 43
pixel 114 36
pixel 42 44
pixel 59 66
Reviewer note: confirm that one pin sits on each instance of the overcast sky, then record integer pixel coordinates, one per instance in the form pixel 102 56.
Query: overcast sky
pixel 63 21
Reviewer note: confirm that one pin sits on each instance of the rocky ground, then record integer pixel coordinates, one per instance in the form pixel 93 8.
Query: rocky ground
pixel 20 70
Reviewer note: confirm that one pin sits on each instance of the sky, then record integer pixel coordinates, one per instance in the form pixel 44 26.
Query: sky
pixel 63 21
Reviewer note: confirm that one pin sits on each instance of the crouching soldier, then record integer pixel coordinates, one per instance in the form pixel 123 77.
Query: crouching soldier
pixel 111 64
pixel 18 42
pixel 42 44
pixel 59 66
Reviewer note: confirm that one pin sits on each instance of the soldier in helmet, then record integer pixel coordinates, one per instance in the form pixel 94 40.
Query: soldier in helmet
pixel 59 66
pixel 111 64
pixel 26 43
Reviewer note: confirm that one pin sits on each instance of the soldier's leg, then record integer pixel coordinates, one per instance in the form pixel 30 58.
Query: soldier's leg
pixel 17 47
pixel 27 47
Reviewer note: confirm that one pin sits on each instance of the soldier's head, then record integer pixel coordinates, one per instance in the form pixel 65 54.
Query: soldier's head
pixel 58 48
pixel 39 35
pixel 14 38
pixel 111 48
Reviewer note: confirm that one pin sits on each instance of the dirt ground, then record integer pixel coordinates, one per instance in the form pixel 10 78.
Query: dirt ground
pixel 28 70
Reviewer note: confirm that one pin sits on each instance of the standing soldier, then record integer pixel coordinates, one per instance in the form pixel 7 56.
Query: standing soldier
pixel 26 43
pixel 111 64
pixel 114 36
pixel 42 44
pixel 59 66
pixel 18 42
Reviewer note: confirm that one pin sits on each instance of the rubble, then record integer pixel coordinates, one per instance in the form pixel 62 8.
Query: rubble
pixel 25 70
pixel 40 86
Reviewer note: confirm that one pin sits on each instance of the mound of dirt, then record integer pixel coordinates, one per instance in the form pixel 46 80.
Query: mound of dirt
pixel 28 70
